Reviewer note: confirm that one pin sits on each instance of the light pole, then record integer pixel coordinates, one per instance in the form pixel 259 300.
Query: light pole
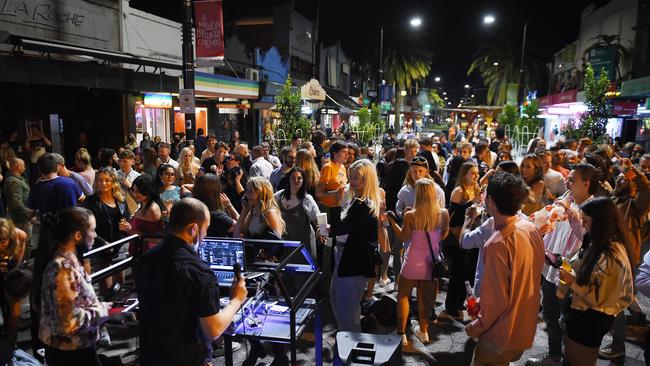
pixel 489 20
pixel 188 64
pixel 415 22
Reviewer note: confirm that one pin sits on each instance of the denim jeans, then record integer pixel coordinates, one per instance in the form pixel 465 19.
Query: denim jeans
pixel 551 309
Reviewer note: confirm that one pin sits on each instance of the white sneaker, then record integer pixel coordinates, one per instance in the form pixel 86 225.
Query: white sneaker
pixel 422 336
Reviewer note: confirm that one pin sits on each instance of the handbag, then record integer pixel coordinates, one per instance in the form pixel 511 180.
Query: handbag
pixel 440 267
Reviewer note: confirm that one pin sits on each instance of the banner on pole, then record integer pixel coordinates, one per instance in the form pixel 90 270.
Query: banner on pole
pixel 208 23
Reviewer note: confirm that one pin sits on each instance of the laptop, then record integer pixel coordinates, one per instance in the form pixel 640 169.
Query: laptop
pixel 221 255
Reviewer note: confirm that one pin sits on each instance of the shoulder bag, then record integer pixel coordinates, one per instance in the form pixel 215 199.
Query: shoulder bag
pixel 440 267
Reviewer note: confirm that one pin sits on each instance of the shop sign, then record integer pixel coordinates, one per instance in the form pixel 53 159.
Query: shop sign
pixel 84 23
pixel 186 100
pixel 385 106
pixel 371 93
pixel 208 23
pixel 156 100
pixel 566 97
pixel 624 108
pixel 221 86
pixel 386 93
pixel 312 91
pixel 559 98
pixel 636 87
pixel 603 58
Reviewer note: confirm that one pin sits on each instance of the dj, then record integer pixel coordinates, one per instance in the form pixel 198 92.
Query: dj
pixel 179 295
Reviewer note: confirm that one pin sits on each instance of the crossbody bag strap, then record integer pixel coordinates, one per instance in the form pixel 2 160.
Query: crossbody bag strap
pixel 430 249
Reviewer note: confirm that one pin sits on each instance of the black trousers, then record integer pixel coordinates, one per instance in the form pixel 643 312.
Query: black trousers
pixel 462 267
pixel 80 357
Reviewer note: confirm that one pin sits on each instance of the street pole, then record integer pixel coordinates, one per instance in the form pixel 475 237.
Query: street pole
pixel 188 64
pixel 381 64
pixel 521 66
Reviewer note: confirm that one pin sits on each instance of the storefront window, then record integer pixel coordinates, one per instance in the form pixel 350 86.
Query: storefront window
pixel 201 120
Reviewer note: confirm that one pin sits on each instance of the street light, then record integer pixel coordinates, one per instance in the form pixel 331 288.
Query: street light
pixel 437 79
pixel 466 86
pixel 415 23
pixel 488 20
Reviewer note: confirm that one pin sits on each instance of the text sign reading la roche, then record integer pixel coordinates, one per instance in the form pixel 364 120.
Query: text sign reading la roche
pixel 84 23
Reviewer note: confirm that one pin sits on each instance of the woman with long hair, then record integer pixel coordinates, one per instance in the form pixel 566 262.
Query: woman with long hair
pixel 187 166
pixel 305 161
pixel 462 262
pixel 223 216
pixel 602 283
pixel 260 216
pixel 147 220
pixel 532 172
pixel 418 168
pixel 109 208
pixel 356 251
pixel 82 162
pixel 69 312
pixel 299 209
pixel 425 225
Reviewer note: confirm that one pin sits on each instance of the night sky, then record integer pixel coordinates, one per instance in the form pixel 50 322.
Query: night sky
pixel 453 28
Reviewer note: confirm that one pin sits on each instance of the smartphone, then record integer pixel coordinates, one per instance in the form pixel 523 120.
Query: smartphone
pixel 553 260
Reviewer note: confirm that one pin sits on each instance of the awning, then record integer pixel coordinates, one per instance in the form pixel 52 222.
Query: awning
pixel 46 45
pixel 338 99
pixel 221 86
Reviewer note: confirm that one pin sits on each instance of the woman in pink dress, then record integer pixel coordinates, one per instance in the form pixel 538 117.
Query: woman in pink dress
pixel 427 218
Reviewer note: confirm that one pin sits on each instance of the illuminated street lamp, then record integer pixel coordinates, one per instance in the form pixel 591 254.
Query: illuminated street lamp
pixel 416 22
pixel 466 86
pixel 437 79
pixel 488 19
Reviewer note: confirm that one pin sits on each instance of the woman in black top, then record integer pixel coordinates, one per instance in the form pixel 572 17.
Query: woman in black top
pixel 109 208
pixel 463 262
pixel 356 254
pixel 223 216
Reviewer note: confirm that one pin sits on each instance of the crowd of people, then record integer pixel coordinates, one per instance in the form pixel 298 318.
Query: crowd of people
pixel 562 227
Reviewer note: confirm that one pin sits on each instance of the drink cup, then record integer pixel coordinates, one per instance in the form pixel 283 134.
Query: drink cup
pixel 322 223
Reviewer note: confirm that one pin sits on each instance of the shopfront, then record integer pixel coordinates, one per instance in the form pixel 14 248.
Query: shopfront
pixel 637 128
pixel 231 98
pixel 153 115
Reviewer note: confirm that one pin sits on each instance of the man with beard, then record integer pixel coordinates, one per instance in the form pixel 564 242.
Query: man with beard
pixel 179 296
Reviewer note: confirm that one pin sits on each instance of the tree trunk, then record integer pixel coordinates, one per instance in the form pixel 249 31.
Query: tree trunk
pixel 398 105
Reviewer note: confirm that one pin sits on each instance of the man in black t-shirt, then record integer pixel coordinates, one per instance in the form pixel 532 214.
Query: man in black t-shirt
pixel 179 295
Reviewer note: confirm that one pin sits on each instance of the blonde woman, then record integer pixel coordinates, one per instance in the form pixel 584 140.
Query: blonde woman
pixel 425 225
pixel 82 162
pixel 463 262
pixel 260 216
pixel 109 208
pixel 187 166
pixel 356 251
pixel 305 161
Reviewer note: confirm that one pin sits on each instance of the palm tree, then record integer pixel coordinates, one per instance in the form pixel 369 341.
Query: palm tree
pixel 407 60
pixel 498 64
